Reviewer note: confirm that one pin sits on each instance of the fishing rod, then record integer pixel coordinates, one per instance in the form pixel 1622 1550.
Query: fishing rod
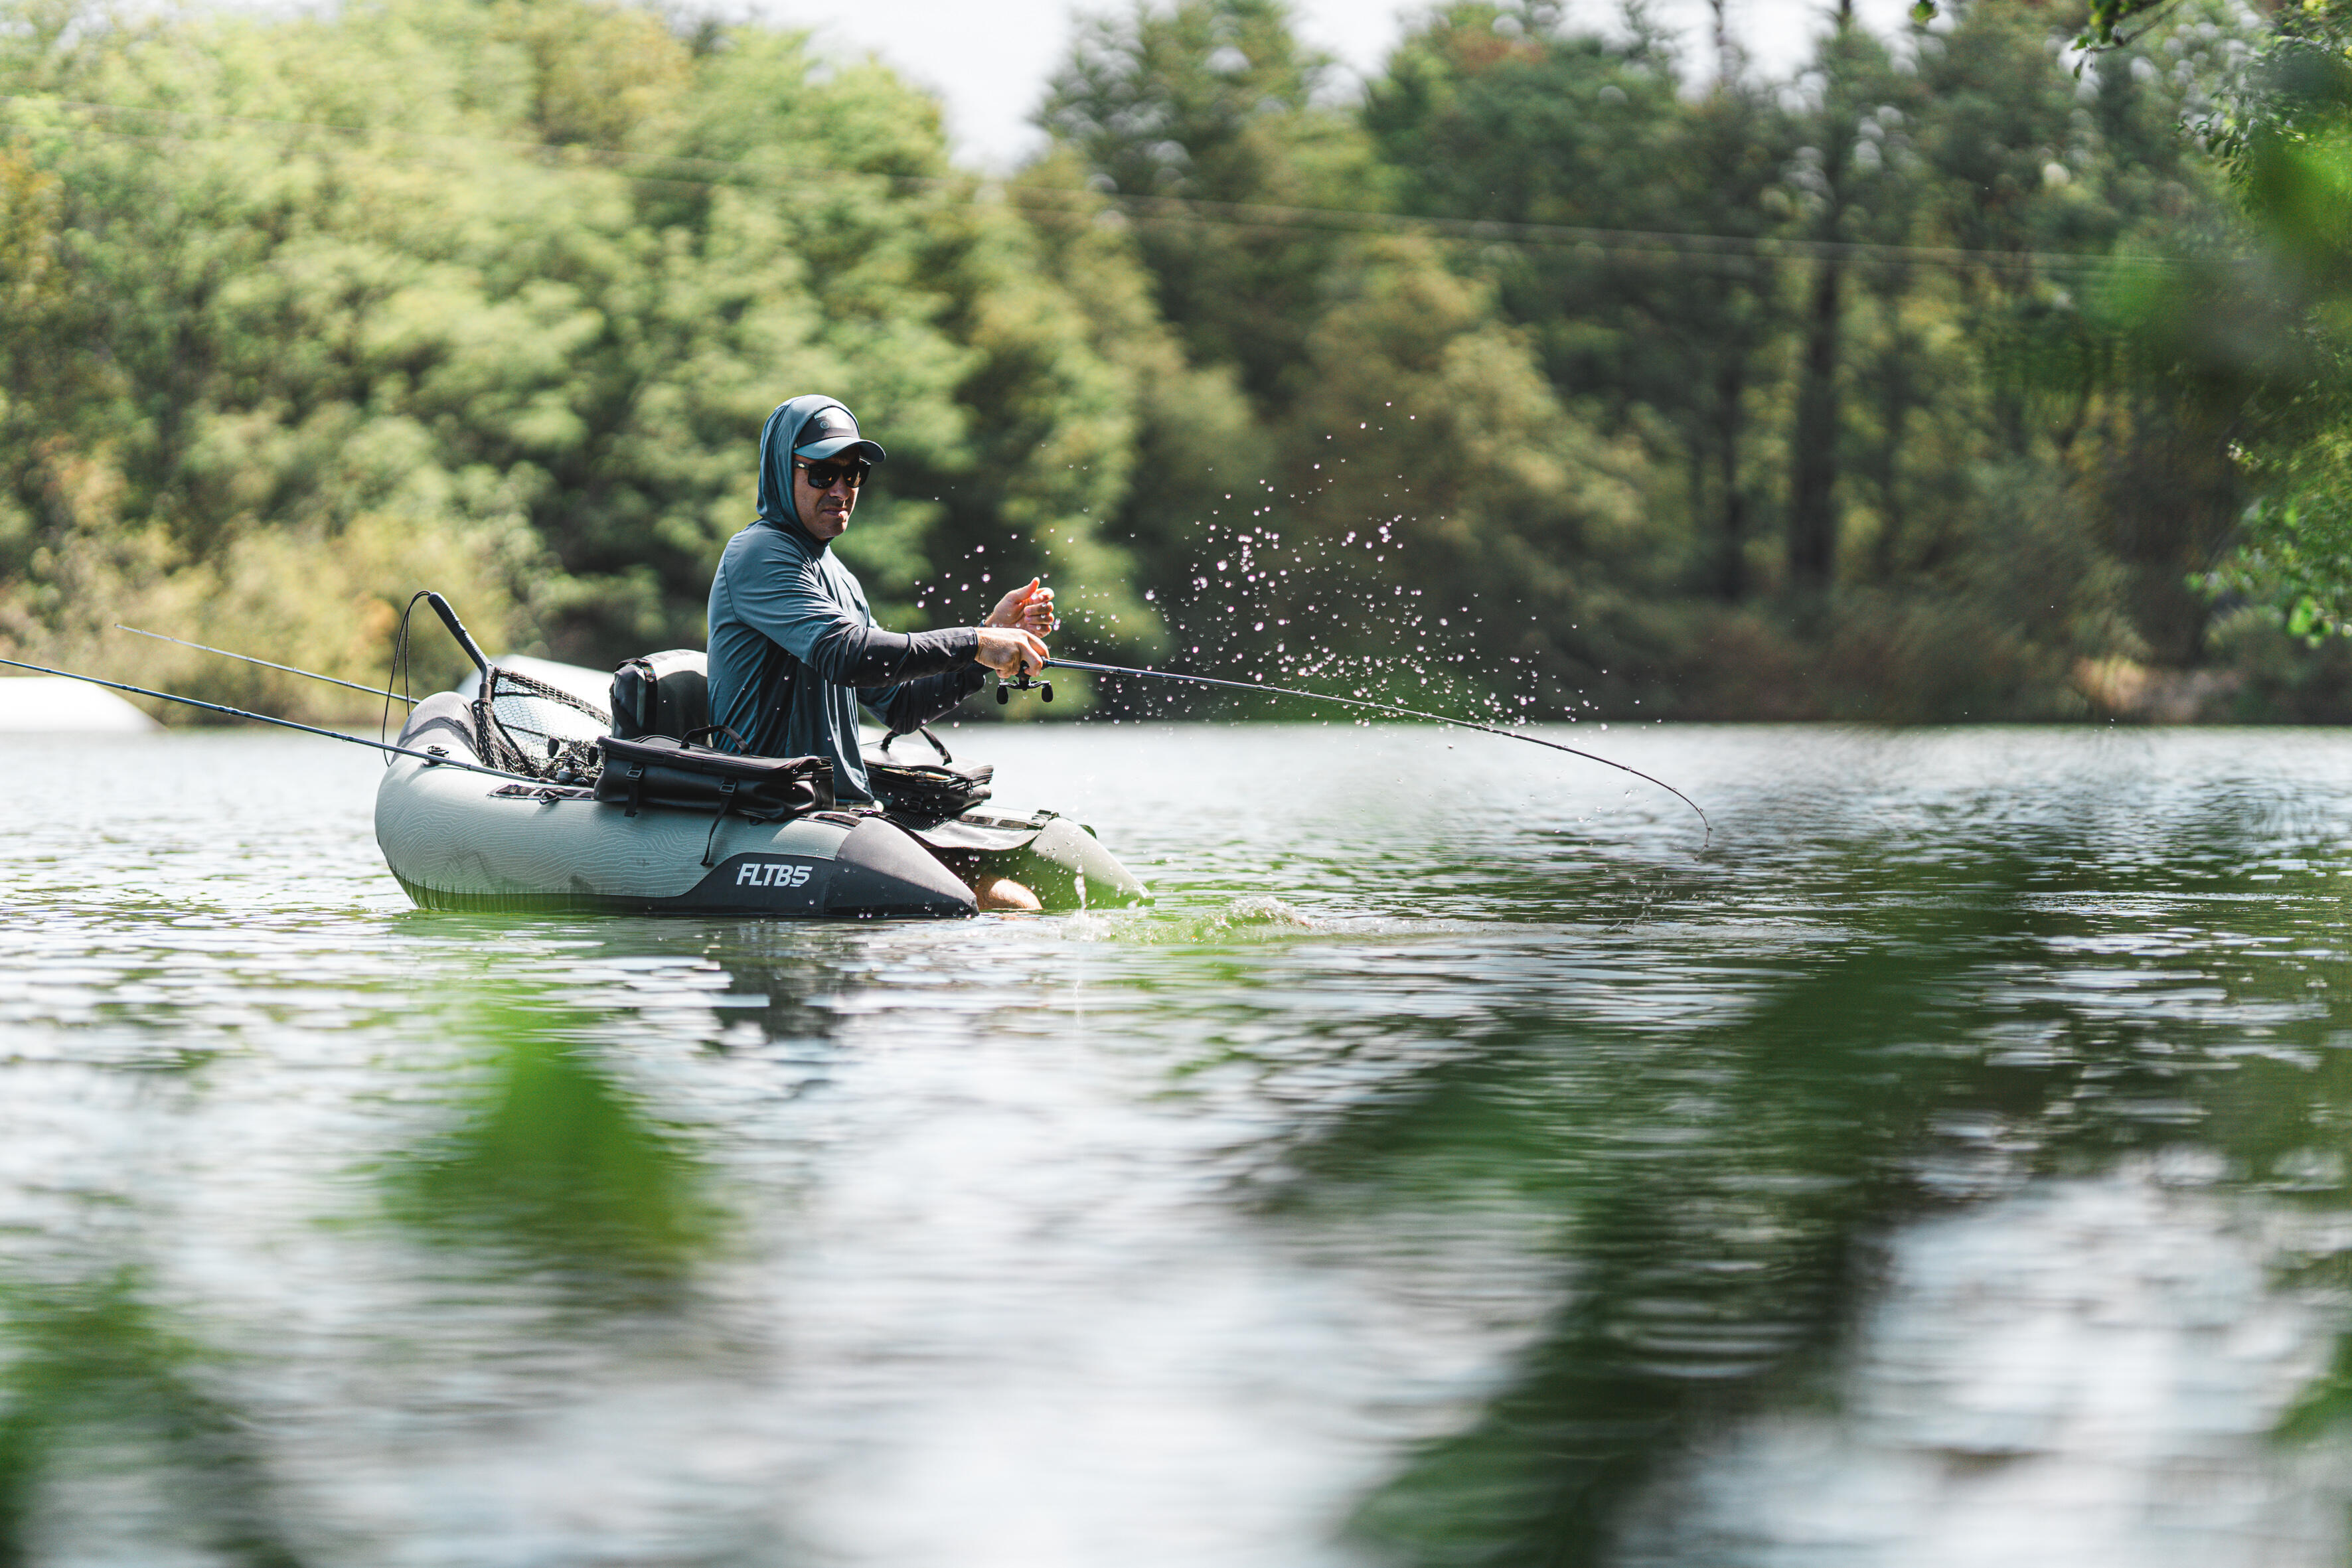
pixel 1706 836
pixel 440 607
pixel 1024 683
pixel 249 658
pixel 426 757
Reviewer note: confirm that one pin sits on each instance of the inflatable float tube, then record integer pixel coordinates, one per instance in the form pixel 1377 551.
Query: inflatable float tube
pixel 459 841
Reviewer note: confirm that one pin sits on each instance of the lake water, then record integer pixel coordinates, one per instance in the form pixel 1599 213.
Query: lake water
pixel 1450 1167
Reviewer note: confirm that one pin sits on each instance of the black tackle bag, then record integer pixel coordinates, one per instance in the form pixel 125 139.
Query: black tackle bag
pixel 655 770
pixel 662 694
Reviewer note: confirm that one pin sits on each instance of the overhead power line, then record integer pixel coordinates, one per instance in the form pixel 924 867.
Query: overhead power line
pixel 967 190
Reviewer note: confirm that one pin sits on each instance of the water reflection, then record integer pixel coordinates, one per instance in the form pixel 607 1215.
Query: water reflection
pixel 1958 1150
pixel 1722 1193
pixel 111 1417
pixel 1713 1192
pixel 556 1165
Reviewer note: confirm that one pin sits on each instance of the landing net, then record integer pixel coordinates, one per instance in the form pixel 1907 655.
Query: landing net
pixel 530 727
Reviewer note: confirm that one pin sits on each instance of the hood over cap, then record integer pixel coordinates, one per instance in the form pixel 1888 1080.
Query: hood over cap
pixel 812 426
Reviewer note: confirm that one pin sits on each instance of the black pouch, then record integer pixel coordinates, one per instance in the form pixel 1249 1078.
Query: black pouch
pixel 659 771
pixel 922 791
pixel 662 694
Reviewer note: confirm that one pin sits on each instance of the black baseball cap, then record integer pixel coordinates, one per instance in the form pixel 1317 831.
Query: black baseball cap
pixel 832 431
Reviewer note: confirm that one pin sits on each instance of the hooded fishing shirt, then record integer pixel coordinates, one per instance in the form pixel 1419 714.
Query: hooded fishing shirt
pixel 794 647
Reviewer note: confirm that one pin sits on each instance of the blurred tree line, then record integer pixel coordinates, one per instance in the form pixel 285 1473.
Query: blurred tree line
pixel 1562 368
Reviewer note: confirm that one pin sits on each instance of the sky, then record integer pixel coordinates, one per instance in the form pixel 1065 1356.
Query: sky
pixel 988 62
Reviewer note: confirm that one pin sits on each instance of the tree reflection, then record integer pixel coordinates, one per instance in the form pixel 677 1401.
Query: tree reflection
pixel 94 1363
pixel 1716 1206
pixel 556 1165
pixel 1717 1192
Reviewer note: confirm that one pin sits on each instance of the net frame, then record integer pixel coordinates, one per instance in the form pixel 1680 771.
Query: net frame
pixel 525 726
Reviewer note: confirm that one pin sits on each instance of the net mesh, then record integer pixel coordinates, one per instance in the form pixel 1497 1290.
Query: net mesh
pixel 531 728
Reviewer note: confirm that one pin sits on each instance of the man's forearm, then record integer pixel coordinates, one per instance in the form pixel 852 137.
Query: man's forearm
pixel 868 655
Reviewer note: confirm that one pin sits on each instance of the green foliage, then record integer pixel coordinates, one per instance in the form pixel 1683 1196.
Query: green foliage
pixel 2265 339
pixel 2296 552
pixel 503 294
pixel 1434 462
pixel 1216 101
pixel 1544 375
pixel 2104 28
pixel 1837 336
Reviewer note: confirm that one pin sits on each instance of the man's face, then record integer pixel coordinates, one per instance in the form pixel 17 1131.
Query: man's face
pixel 824 512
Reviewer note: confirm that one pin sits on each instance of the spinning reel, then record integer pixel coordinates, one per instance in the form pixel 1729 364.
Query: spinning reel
pixel 1024 682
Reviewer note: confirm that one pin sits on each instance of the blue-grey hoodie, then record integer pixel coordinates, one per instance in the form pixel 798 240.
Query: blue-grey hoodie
pixel 793 649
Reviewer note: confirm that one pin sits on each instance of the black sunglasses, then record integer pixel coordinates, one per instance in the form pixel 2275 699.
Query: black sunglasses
pixel 824 476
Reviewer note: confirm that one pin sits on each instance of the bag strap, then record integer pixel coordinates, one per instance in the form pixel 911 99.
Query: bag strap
pixel 726 799
pixel 923 730
pixel 718 730
pixel 631 681
pixel 636 779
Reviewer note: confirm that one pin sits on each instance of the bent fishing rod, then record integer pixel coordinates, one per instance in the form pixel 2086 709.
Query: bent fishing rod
pixel 425 757
pixel 1024 683
pixel 1706 836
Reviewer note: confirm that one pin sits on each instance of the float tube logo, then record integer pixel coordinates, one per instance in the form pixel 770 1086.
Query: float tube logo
pixel 772 874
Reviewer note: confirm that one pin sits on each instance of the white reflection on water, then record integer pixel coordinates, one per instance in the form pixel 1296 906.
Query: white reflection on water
pixel 1001 1285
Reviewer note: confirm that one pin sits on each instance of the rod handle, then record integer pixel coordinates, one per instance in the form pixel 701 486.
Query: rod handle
pixel 458 629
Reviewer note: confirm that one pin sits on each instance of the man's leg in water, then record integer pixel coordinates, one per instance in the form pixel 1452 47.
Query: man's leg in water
pixel 1001 893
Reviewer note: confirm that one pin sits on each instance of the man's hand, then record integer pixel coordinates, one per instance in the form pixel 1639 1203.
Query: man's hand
pixel 1031 609
pixel 1011 652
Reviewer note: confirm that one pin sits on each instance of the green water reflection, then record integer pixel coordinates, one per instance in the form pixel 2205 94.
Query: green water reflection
pixel 97 1379
pixel 554 1164
pixel 1717 1196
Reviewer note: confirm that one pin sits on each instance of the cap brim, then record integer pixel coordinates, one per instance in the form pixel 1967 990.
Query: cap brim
pixel 818 451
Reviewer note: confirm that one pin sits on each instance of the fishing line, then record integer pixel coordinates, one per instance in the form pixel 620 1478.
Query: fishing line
pixel 282 723
pixel 307 674
pixel 1706 837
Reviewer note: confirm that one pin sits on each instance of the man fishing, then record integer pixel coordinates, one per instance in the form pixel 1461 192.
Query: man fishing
pixel 793 649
